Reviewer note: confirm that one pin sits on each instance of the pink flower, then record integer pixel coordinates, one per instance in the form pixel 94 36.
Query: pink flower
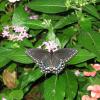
pixel 33 17
pixel 22 36
pixel 25 35
pixel 5 33
pixel 19 29
pixel 95 90
pixel 89 73
pixel 96 66
pixel 19 38
pixel 86 97
pixel 51 46
pixel 15 33
pixel 27 9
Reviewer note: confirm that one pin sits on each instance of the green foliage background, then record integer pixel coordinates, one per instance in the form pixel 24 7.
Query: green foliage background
pixel 70 24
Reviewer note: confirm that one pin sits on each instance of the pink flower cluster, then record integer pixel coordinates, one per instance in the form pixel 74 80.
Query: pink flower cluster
pixel 86 97
pixel 89 73
pixel 95 90
pixel 96 67
pixel 50 46
pixel 15 33
pixel 95 93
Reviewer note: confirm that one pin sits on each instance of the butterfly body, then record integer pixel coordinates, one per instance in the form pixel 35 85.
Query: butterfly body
pixel 51 62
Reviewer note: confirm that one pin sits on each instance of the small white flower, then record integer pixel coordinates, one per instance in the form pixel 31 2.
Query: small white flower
pixel 6 27
pixel 12 1
pixel 5 33
pixel 12 37
pixel 4 98
pixel 77 72
pixel 93 94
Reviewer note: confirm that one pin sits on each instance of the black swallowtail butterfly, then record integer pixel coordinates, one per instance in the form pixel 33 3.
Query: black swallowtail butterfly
pixel 51 62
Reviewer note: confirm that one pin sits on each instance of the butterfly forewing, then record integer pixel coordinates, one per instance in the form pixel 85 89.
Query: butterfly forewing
pixel 65 54
pixel 37 54
pixel 41 57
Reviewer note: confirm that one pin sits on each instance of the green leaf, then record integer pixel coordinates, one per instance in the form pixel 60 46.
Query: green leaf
pixel 48 6
pixel 97 1
pixel 4 56
pixel 90 40
pixel 5 19
pixel 81 56
pixel 16 94
pixel 29 77
pixel 85 24
pixel 34 24
pixel 2 5
pixel 26 43
pixel 19 55
pixel 98 7
pixel 85 39
pixel 19 16
pixel 65 21
pixel 66 36
pixel 54 88
pixel 53 17
pixel 91 10
pixel 83 64
pixel 60 88
pixel 71 85
pixel 95 80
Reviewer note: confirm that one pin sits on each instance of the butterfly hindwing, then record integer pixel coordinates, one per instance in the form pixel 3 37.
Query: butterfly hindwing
pixel 58 64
